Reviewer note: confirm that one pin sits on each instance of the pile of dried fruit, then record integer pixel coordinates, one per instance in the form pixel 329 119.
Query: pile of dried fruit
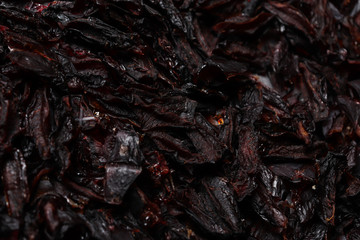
pixel 179 119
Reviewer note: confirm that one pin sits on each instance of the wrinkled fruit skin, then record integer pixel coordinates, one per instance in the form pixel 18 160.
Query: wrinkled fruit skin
pixel 179 119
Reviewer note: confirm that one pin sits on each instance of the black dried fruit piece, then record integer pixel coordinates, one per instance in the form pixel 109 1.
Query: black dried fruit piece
pixel 118 178
pixel 16 187
pixel 214 207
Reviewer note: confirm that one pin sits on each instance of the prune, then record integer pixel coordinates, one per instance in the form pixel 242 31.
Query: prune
pixel 179 119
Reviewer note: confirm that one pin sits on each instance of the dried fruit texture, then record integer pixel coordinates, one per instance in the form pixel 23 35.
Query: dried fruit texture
pixel 179 119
